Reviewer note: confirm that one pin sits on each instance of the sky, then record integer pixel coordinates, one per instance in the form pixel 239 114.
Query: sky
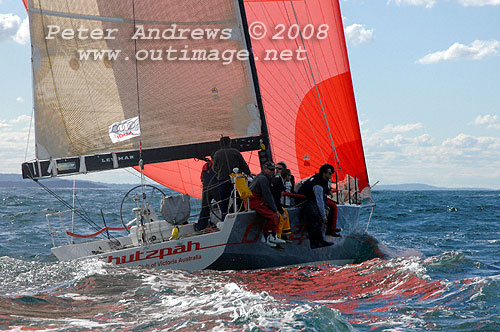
pixel 426 77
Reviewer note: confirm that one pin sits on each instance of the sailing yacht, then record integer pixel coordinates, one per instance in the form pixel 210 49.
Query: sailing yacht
pixel 151 85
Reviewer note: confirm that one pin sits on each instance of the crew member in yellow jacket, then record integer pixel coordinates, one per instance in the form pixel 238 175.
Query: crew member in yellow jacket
pixel 277 188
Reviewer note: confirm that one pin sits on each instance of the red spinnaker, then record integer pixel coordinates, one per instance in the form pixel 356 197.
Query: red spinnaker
pixel 289 91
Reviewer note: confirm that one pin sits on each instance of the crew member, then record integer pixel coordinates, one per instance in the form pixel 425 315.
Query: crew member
pixel 289 184
pixel 225 160
pixel 262 202
pixel 314 209
pixel 210 191
pixel 277 188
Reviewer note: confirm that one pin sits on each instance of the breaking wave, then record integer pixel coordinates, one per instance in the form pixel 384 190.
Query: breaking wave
pixel 398 293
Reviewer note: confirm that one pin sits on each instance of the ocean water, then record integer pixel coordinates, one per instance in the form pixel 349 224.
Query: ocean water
pixel 442 274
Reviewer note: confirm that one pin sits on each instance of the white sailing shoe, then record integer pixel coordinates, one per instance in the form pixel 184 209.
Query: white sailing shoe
pixel 274 239
pixel 267 240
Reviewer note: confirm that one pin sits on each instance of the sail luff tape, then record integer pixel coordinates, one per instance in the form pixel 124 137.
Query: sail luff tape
pixel 52 167
pixel 83 166
pixel 115 160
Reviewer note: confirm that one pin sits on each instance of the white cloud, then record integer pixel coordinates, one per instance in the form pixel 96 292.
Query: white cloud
pixel 13 143
pixel 21 119
pixel 380 142
pixel 394 154
pixel 20 100
pixel 9 23
pixel 461 141
pixel 14 139
pixel 401 141
pixel 425 3
pixel 423 140
pixel 401 128
pixel 432 3
pixel 464 144
pixel 11 28
pixel 479 3
pixel 491 121
pixel 22 35
pixel 424 147
pixel 357 34
pixel 476 50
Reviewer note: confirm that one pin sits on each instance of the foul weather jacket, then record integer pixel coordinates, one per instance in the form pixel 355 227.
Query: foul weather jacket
pixel 226 159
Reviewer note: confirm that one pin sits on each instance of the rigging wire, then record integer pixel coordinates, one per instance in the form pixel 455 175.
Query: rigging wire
pixel 83 215
pixel 146 180
pixel 315 85
pixel 73 210
pixel 61 200
pixel 141 162
pixel 288 79
pixel 137 86
pixel 324 91
pixel 303 108
pixel 29 134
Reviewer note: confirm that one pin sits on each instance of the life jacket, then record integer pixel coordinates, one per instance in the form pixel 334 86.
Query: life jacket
pixel 241 185
pixel 307 187
pixel 207 172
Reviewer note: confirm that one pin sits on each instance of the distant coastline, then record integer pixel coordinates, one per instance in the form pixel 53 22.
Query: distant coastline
pixel 16 181
pixel 417 187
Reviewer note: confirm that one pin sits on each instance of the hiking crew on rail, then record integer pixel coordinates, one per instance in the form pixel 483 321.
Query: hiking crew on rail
pixel 316 210
pixel 262 201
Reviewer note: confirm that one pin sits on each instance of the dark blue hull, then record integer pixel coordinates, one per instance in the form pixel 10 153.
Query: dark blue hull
pixel 245 250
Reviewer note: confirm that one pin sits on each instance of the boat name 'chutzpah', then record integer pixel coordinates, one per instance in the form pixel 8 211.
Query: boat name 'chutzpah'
pixel 120 158
pixel 152 254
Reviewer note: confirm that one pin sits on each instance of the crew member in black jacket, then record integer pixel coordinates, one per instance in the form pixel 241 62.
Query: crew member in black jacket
pixel 314 209
pixel 225 160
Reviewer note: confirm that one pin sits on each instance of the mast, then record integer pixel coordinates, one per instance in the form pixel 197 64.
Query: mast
pixel 267 155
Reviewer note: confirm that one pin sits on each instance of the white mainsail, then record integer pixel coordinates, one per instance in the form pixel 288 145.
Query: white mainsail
pixel 178 102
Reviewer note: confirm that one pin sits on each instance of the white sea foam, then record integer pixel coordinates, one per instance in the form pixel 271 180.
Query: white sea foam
pixel 200 302
pixel 27 278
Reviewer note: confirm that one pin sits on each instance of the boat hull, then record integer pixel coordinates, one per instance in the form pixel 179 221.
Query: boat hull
pixel 236 245
pixel 247 251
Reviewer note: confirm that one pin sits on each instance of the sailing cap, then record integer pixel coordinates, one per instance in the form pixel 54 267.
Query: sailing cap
pixel 269 165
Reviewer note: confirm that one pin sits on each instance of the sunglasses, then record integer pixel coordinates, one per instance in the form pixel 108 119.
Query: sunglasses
pixel 280 168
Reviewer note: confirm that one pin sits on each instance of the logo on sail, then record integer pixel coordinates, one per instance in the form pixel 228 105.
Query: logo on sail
pixel 124 130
